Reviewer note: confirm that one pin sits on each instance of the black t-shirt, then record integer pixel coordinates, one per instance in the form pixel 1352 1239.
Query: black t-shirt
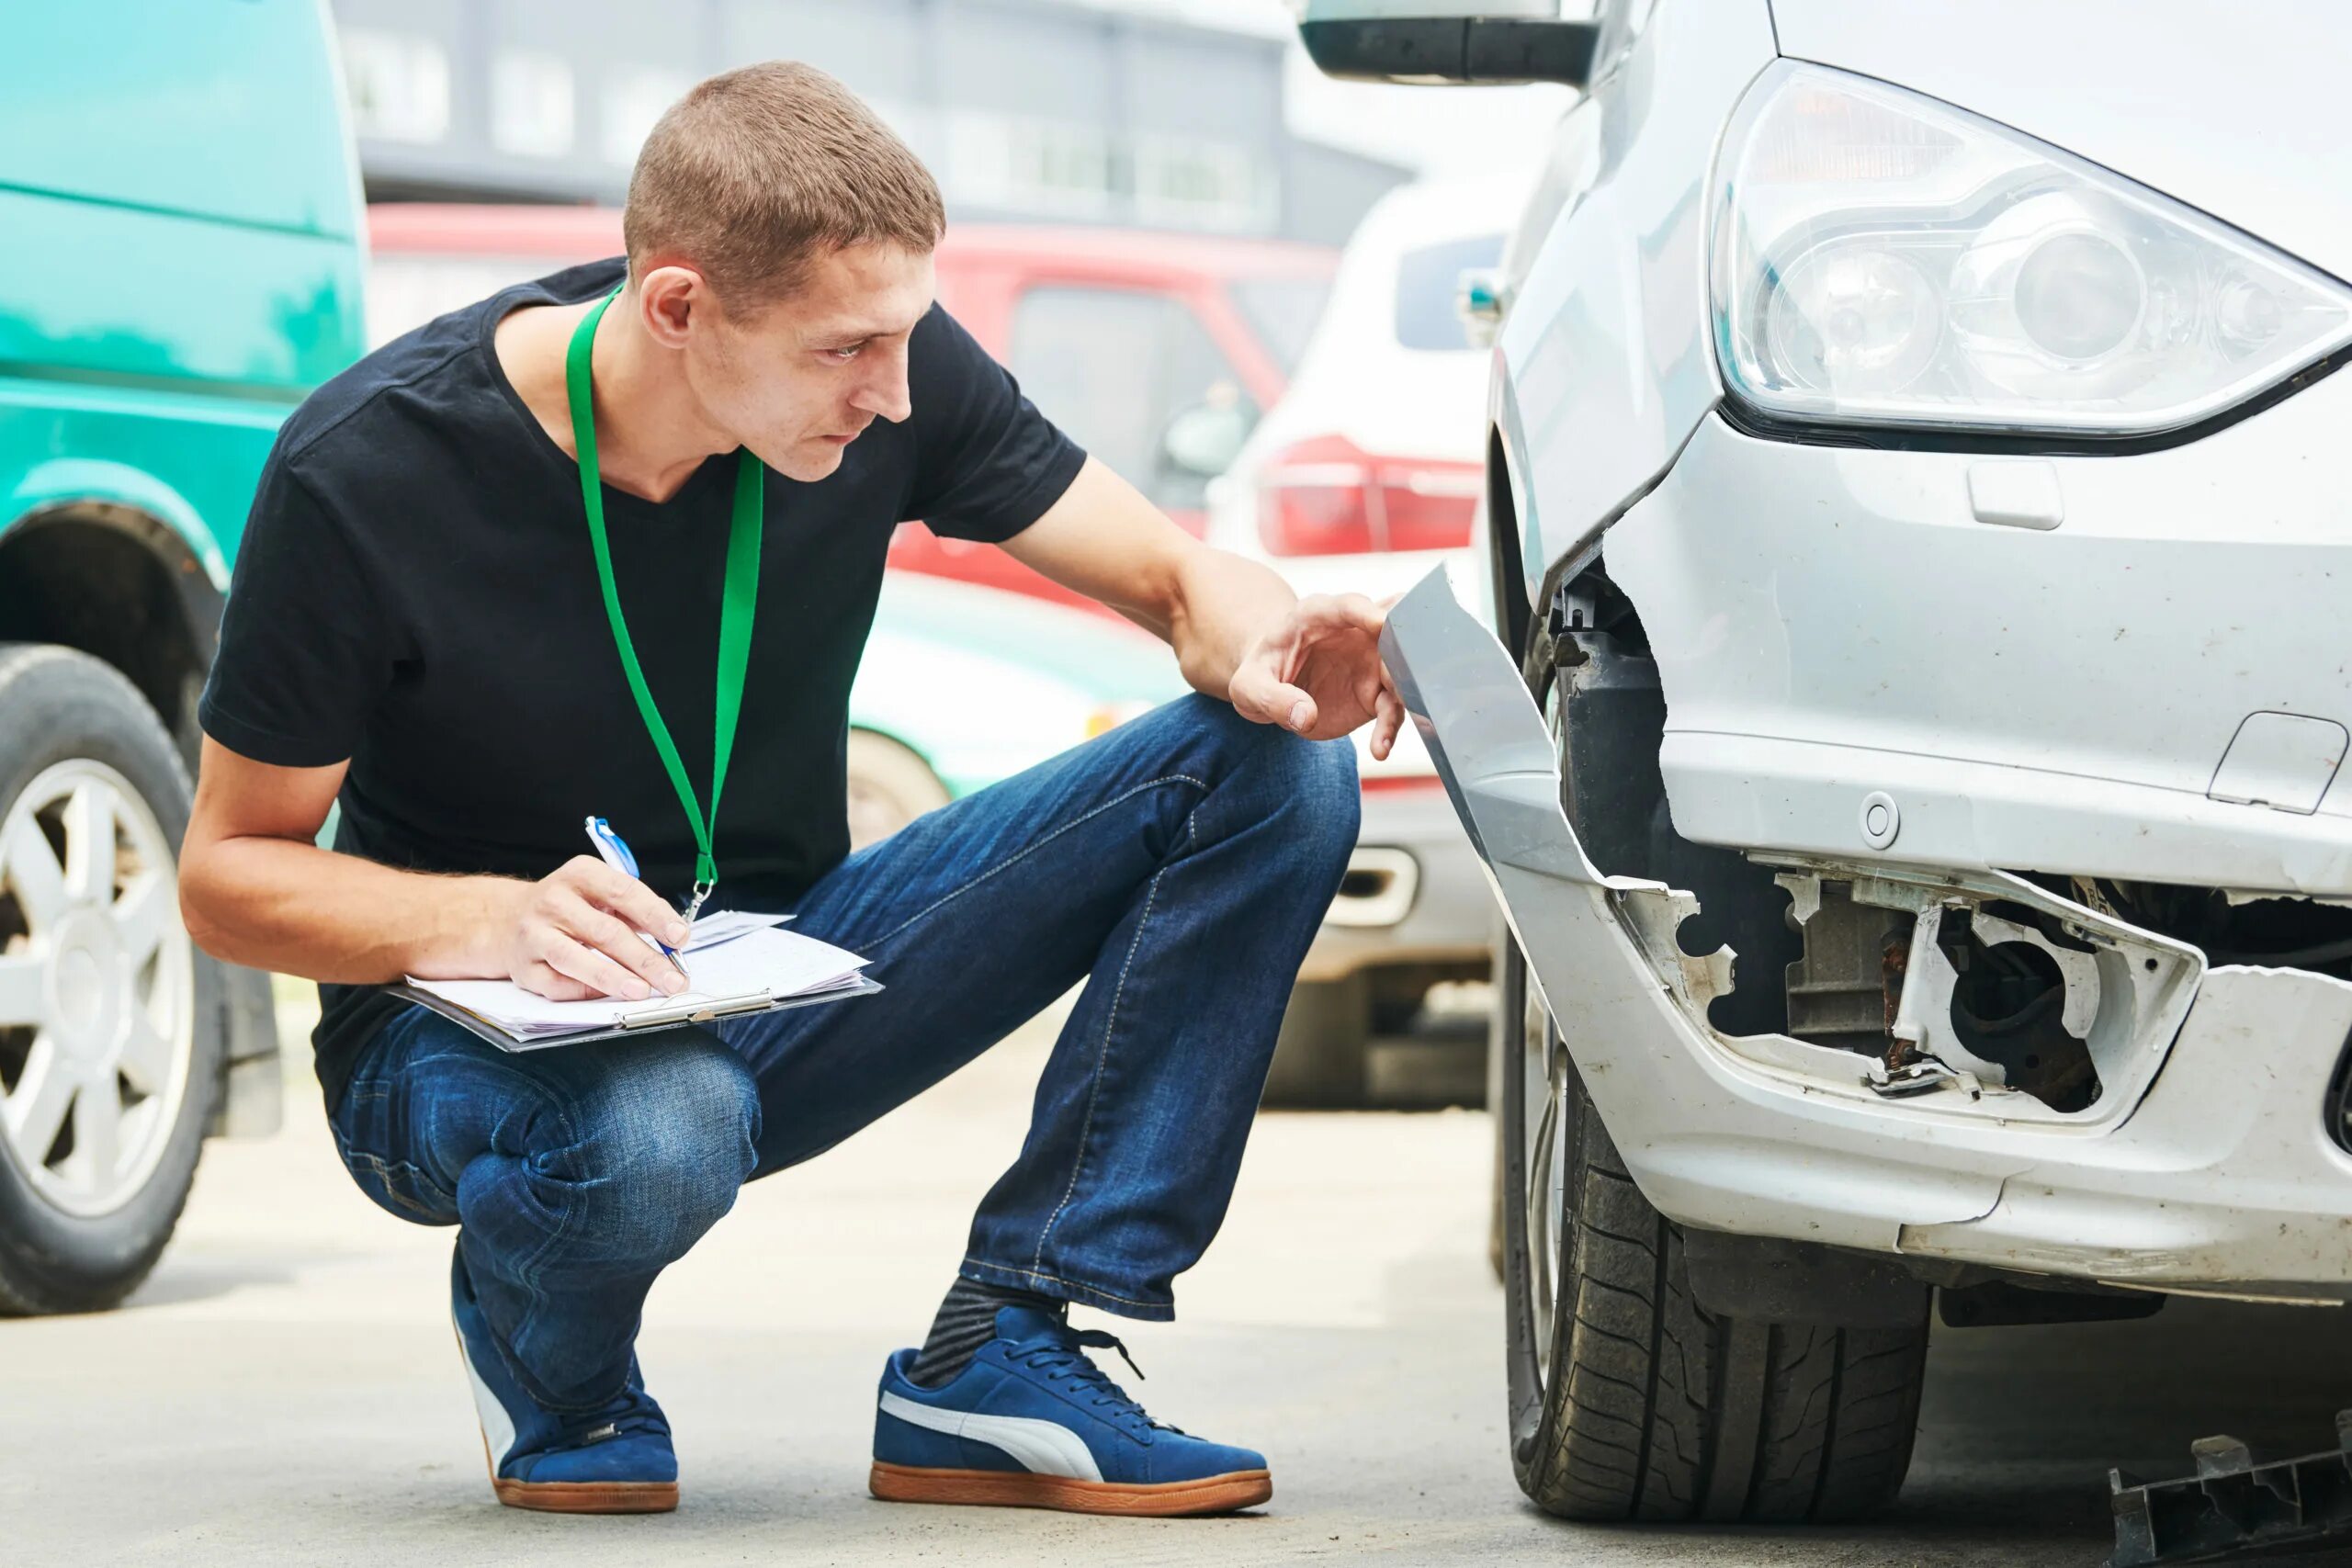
pixel 416 591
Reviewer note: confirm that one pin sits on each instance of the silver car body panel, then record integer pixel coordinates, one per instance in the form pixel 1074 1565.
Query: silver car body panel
pixel 1607 362
pixel 1834 622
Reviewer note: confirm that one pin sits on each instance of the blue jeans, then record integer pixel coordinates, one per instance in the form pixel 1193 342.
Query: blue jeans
pixel 1178 865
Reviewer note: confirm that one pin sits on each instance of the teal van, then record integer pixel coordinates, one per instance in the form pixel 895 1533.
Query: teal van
pixel 180 208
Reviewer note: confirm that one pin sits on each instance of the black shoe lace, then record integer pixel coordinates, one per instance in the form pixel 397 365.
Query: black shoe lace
pixel 1064 1360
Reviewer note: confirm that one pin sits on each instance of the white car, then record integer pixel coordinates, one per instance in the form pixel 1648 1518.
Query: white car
pixel 1904 741
pixel 1366 475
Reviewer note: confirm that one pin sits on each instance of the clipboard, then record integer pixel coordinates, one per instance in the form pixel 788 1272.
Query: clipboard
pixel 650 1019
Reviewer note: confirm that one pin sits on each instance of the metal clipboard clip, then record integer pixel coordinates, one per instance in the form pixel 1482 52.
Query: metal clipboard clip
pixel 697 1012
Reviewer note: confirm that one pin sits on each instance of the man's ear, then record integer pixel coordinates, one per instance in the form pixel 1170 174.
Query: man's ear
pixel 668 297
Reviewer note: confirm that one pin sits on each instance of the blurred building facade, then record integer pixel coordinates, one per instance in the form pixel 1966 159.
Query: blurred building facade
pixel 1026 110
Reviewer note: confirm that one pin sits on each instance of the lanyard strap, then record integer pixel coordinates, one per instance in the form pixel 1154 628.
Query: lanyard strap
pixel 735 609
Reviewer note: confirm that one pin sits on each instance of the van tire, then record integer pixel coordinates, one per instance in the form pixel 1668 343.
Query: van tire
pixel 56 705
pixel 1656 1409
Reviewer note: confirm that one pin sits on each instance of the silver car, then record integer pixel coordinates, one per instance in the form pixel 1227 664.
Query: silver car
pixel 1904 736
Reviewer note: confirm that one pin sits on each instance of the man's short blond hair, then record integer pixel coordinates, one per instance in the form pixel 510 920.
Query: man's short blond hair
pixel 757 172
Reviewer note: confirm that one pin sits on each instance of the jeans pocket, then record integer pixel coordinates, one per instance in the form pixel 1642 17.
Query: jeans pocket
pixel 396 1185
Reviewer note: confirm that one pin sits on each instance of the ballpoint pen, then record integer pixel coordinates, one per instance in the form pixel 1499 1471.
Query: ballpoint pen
pixel 615 853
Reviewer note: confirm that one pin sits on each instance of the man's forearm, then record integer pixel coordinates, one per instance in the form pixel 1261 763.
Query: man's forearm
pixel 294 907
pixel 1221 604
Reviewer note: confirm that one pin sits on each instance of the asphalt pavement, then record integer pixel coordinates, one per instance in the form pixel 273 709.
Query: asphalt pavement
pixel 284 1389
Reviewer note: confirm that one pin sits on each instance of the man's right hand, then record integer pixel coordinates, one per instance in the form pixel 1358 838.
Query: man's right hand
pixel 572 935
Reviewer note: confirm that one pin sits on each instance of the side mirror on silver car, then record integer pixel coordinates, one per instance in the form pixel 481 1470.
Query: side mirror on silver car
pixel 1440 41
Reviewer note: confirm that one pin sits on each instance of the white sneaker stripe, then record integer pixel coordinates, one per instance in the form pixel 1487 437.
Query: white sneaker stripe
pixel 497 1425
pixel 1043 1448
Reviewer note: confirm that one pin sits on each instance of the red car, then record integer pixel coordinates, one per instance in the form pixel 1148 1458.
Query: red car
pixel 1157 352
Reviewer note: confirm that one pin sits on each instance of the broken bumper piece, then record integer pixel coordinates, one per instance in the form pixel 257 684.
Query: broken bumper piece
pixel 2235 1508
pixel 2204 1166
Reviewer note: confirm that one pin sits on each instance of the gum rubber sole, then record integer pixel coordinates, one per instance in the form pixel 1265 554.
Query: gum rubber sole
pixel 582 1496
pixel 588 1496
pixel 1019 1489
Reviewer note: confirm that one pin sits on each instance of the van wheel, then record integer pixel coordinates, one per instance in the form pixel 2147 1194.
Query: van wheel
pixel 1628 1401
pixel 110 1020
pixel 889 786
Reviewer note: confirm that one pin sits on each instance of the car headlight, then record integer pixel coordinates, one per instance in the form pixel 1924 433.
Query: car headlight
pixel 1882 258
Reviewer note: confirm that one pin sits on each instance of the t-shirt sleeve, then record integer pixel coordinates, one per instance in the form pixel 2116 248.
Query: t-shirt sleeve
pixel 303 658
pixel 987 463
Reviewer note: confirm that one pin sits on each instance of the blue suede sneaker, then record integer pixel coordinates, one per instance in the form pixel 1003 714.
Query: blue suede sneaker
pixel 1032 1423
pixel 613 1460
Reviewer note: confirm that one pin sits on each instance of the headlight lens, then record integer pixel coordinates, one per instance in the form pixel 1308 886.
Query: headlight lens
pixel 1884 258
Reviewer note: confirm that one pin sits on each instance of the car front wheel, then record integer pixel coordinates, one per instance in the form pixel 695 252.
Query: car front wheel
pixel 1630 1401
pixel 110 1021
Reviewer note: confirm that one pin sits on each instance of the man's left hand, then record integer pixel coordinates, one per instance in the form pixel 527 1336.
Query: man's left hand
pixel 1319 673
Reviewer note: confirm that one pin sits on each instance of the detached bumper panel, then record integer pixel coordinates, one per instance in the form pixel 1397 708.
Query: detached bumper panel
pixel 2219 1173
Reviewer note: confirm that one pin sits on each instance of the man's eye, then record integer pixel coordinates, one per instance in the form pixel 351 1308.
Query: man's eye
pixel 844 353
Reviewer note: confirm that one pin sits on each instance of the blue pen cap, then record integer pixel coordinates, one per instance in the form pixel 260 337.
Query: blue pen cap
pixel 602 832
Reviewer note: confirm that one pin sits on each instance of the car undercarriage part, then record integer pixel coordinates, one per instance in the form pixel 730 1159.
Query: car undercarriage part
pixel 2276 931
pixel 1764 1280
pixel 2234 1506
pixel 2003 1303
pixel 1611 718
pixel 1953 980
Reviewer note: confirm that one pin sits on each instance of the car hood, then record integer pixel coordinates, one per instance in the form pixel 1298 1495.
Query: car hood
pixel 2238 113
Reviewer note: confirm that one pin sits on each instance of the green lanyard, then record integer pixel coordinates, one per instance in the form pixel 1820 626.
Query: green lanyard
pixel 734 614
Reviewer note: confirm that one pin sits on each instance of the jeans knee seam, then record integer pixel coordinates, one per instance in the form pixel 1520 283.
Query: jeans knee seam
pixel 1027 849
pixel 566 1116
pixel 1103 1056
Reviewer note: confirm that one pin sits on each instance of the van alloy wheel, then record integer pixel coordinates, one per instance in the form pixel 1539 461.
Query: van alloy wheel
pixel 112 1025
pixel 96 988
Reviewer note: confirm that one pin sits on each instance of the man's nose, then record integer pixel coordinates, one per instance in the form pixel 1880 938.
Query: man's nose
pixel 884 393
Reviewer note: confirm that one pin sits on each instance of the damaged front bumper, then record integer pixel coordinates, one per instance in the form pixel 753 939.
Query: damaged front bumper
pixel 2204 1165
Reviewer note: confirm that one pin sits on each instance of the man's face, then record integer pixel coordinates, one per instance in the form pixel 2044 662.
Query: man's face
pixel 798 381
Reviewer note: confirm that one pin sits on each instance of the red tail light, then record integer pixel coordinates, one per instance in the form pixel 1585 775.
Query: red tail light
pixel 1329 497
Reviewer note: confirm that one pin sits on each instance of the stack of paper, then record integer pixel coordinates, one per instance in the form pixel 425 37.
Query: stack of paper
pixel 724 925
pixel 724 968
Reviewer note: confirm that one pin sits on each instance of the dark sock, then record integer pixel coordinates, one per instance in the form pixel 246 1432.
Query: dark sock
pixel 966 1320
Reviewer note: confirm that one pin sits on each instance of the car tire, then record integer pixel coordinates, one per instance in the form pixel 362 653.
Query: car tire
pixel 1629 1400
pixel 103 976
pixel 889 786
pixel 1320 1055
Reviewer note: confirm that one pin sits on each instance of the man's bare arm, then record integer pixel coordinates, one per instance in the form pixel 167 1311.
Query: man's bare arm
pixel 1238 631
pixel 255 890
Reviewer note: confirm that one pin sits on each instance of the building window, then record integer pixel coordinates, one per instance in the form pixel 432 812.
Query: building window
pixel 530 105
pixel 1051 168
pixel 632 102
pixel 1190 183
pixel 399 86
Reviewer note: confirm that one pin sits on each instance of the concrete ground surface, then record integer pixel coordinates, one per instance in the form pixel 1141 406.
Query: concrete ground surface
pixel 284 1390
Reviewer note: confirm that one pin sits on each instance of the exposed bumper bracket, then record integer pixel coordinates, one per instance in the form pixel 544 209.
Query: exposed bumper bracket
pixel 2234 1506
